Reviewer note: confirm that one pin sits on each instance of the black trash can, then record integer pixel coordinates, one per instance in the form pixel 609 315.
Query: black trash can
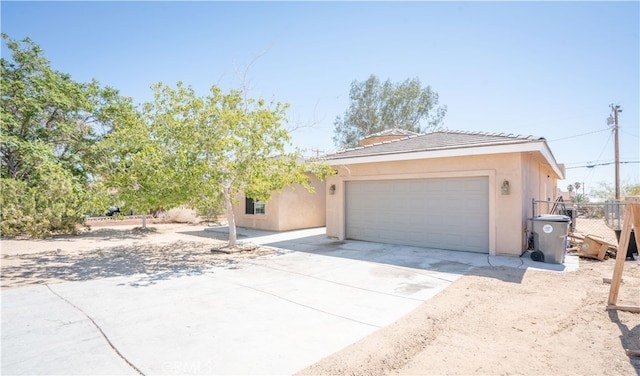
pixel 633 247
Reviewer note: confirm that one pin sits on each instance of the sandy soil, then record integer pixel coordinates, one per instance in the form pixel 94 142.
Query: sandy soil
pixel 119 250
pixel 493 321
pixel 504 321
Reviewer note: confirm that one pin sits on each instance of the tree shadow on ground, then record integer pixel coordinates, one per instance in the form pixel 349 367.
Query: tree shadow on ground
pixel 153 262
pixel 212 234
pixel 98 234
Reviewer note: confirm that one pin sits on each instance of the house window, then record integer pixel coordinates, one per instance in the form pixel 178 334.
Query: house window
pixel 253 207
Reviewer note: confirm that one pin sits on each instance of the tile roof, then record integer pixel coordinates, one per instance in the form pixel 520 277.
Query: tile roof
pixel 392 132
pixel 437 140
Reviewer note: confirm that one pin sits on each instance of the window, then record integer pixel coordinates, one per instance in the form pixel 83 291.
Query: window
pixel 253 207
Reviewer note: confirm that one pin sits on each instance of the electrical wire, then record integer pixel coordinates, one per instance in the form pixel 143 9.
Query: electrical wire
pixel 605 146
pixel 601 164
pixel 578 135
pixel 628 133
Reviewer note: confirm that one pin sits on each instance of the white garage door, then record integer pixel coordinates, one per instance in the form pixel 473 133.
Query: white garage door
pixel 436 213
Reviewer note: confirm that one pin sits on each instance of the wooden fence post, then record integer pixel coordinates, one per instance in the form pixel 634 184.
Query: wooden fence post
pixel 631 220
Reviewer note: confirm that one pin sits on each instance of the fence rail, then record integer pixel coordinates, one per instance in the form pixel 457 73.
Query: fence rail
pixel 603 219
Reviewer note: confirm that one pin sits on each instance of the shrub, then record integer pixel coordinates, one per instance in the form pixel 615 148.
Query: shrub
pixel 53 204
pixel 181 214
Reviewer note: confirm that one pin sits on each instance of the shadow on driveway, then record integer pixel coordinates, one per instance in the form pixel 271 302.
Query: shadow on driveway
pixel 153 262
pixel 416 259
pixel 156 262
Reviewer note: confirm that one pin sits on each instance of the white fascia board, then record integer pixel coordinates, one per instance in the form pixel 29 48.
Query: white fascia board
pixel 548 155
pixel 540 147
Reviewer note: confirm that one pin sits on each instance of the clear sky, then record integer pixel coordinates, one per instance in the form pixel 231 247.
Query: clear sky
pixel 549 69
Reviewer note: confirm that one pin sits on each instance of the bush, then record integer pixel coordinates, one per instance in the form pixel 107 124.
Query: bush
pixel 181 214
pixel 52 205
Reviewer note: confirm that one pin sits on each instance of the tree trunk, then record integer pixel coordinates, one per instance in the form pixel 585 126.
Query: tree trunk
pixel 144 221
pixel 230 218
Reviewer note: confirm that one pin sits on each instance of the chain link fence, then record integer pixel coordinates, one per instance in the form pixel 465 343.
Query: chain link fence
pixel 603 219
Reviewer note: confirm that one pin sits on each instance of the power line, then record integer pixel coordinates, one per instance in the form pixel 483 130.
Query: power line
pixel 604 147
pixel 578 135
pixel 595 161
pixel 600 164
pixel 629 133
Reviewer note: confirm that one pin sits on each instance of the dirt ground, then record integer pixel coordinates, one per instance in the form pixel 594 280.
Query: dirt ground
pixel 504 321
pixel 119 248
pixel 495 320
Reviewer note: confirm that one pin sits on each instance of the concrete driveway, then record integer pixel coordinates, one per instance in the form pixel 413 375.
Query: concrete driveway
pixel 272 315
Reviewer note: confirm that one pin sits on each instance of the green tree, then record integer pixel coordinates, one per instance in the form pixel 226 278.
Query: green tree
pixel 581 198
pixel 377 106
pixel 633 190
pixel 50 125
pixel 204 151
pixel 133 172
pixel 606 191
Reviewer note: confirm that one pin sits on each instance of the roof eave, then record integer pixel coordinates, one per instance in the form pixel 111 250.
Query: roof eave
pixel 540 147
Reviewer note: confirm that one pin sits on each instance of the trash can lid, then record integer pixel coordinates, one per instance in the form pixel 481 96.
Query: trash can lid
pixel 552 218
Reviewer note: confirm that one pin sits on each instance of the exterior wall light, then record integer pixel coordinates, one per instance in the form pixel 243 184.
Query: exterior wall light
pixel 332 189
pixel 505 187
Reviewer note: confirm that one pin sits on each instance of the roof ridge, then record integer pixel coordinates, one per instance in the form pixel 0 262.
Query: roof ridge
pixel 482 133
pixel 411 135
pixel 476 138
pixel 380 143
pixel 391 131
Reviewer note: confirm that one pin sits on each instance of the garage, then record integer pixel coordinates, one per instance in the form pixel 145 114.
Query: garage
pixel 451 213
pixel 446 189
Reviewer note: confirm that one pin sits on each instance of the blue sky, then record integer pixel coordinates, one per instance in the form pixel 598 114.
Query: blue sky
pixel 548 69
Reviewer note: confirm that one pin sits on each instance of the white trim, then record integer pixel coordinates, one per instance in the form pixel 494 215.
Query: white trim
pixel 540 147
pixel 546 153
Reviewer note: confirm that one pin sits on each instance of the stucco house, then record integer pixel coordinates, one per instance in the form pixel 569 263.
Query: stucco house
pixel 291 209
pixel 466 191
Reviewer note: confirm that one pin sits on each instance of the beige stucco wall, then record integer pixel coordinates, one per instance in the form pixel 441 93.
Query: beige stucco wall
pixel 292 208
pixel 301 209
pixel 540 181
pixel 508 214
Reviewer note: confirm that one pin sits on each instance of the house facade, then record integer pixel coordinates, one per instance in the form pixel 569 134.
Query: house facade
pixel 290 209
pixel 453 190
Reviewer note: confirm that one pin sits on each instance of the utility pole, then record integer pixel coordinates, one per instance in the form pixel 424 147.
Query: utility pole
pixel 317 151
pixel 616 109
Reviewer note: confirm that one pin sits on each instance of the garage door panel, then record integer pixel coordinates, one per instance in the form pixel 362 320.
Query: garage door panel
pixel 437 213
pixel 474 206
